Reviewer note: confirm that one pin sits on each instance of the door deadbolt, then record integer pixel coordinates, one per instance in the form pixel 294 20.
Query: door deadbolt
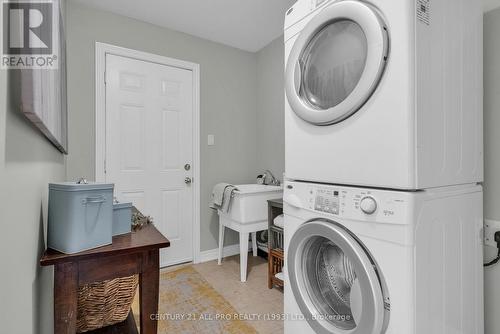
pixel 187 166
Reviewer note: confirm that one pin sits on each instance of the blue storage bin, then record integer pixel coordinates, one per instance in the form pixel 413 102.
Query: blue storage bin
pixel 122 218
pixel 80 216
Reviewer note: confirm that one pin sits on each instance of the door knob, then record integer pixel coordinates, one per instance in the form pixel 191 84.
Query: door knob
pixel 188 180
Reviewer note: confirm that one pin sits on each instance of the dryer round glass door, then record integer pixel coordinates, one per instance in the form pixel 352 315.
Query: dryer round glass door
pixel 335 281
pixel 336 62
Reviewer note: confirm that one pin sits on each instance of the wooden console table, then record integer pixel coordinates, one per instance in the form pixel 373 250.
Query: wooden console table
pixel 129 254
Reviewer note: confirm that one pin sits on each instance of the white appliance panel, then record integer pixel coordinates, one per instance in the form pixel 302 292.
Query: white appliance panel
pixel 428 250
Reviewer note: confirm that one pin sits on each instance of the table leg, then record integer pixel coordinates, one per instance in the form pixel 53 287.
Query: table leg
pixel 254 243
pixel 243 255
pixel 149 285
pixel 221 243
pixel 65 297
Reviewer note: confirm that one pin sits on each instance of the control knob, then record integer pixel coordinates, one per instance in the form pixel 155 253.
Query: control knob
pixel 368 205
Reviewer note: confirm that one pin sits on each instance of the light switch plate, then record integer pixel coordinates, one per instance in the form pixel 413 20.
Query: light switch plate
pixel 211 140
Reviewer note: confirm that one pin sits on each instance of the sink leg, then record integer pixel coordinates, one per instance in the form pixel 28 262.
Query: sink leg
pixel 221 243
pixel 243 255
pixel 254 243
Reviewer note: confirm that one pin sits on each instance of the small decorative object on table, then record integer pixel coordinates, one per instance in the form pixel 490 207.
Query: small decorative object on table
pixel 80 215
pixel 122 217
pixel 139 220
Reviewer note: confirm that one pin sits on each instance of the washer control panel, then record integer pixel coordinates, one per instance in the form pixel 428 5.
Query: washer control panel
pixel 368 205
pixel 327 200
pixel 350 202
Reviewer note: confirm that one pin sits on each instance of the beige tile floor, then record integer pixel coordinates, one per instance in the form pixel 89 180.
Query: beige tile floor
pixel 250 298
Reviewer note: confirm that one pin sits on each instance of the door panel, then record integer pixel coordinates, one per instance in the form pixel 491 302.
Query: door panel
pixel 337 62
pixel 171 139
pixel 132 137
pixel 335 281
pixel 149 138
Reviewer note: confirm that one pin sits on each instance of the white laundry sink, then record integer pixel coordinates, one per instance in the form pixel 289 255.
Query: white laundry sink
pixel 247 215
pixel 249 203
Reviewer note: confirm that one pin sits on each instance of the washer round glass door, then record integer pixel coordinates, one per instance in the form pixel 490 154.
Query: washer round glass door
pixel 336 62
pixel 335 281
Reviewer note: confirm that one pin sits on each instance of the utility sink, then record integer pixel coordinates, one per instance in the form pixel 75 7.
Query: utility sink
pixel 247 215
pixel 249 203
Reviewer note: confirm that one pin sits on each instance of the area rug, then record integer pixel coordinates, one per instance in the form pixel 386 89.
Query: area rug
pixel 189 304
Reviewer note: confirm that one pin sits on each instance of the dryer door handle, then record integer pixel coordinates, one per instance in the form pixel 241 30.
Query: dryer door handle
pixel 293 200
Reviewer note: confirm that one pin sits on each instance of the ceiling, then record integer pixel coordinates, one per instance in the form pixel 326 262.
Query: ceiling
pixel 244 24
pixel 490 4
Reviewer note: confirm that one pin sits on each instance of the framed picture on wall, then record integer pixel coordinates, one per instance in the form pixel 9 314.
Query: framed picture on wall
pixel 43 86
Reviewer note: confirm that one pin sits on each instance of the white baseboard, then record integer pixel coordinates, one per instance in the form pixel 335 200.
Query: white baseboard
pixel 212 254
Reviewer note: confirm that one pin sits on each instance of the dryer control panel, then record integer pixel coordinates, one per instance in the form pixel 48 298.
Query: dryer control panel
pixel 349 202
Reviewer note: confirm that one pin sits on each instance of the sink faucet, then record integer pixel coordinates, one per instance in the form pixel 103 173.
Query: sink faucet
pixel 273 180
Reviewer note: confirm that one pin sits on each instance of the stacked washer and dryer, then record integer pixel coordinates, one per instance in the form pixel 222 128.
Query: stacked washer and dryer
pixel 384 160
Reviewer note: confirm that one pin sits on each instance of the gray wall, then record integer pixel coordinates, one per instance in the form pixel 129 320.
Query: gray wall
pixel 492 161
pixel 228 99
pixel 270 108
pixel 28 162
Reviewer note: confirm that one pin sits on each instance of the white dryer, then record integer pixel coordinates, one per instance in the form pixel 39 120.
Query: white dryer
pixel 364 261
pixel 384 93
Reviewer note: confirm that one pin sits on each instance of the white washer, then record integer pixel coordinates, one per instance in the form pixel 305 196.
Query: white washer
pixel 384 93
pixel 365 261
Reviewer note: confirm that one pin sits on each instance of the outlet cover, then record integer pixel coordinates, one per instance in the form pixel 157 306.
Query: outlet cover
pixel 490 227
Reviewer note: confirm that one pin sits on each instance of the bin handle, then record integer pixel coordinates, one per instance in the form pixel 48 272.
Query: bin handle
pixel 94 200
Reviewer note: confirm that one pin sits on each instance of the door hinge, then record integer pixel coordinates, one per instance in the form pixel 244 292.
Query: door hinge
pixel 104 166
pixel 105 77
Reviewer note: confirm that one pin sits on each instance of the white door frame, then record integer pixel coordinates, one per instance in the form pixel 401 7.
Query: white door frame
pixel 101 49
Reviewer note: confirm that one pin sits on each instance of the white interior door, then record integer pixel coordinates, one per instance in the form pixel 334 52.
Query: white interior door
pixel 149 146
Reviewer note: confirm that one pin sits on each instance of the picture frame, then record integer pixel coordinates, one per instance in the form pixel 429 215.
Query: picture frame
pixel 44 92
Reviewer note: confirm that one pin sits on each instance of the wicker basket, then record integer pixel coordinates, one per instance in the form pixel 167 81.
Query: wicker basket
pixel 105 303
